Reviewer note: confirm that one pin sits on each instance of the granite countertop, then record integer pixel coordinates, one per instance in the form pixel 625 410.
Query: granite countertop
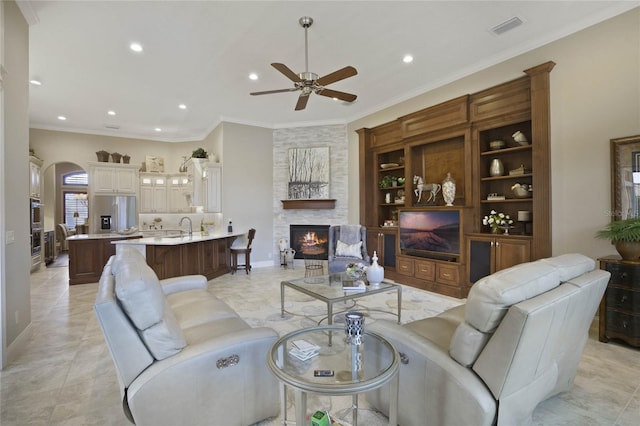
pixel 177 240
pixel 102 236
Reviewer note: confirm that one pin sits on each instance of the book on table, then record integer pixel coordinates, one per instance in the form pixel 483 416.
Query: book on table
pixel 304 350
pixel 355 285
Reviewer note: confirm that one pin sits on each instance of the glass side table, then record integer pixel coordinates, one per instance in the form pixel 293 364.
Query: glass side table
pixel 377 364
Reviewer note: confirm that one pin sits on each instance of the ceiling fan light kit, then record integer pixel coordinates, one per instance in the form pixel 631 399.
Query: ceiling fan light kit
pixel 308 82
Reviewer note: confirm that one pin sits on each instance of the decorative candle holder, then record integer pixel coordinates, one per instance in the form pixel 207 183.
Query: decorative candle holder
pixel 354 327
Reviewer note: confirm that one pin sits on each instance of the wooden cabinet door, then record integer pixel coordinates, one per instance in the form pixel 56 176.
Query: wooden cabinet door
pixel 510 252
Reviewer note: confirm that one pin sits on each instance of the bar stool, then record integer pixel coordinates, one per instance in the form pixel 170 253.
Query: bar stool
pixel 235 251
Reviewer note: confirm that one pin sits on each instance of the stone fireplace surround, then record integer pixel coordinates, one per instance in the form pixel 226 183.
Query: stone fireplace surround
pixel 333 136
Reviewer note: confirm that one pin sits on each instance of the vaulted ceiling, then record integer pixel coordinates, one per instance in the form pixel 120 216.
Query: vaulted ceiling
pixel 200 54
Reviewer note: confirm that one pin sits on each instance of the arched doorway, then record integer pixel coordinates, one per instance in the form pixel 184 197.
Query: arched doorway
pixel 53 198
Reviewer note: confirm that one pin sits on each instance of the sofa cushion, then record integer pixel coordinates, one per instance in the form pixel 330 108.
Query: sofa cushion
pixel 349 250
pixel 571 265
pixel 164 338
pixel 491 297
pixel 125 254
pixel 138 290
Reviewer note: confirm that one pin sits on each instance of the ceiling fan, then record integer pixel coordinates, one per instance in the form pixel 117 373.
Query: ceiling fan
pixel 308 82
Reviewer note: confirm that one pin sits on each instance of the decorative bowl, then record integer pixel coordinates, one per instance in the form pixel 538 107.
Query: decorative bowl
pixel 497 144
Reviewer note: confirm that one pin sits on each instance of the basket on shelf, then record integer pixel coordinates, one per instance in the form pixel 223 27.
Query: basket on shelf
pixel 103 156
pixel 116 156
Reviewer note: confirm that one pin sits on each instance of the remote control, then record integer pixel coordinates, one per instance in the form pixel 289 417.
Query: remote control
pixel 323 373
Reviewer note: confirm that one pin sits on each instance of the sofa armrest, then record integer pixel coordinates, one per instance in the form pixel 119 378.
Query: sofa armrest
pixel 432 384
pixel 190 387
pixel 186 282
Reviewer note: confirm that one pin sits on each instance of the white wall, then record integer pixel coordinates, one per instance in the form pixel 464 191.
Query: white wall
pixel 247 194
pixel 595 96
pixel 16 259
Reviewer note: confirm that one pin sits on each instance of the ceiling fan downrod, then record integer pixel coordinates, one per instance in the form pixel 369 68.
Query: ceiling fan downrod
pixel 306 22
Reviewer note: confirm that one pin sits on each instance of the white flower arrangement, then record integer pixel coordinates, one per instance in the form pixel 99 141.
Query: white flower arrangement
pixel 495 220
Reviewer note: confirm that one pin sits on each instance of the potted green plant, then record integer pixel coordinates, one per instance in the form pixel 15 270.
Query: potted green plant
pixel 625 235
pixel 388 181
pixel 199 153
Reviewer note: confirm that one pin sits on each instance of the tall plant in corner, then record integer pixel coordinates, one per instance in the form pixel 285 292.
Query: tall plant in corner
pixel 625 235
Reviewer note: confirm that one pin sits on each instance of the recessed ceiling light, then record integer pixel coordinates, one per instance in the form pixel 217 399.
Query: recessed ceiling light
pixel 407 59
pixel 111 112
pixel 253 76
pixel 136 47
pixel 62 117
pixel 35 82
pixel 182 106
pixel 158 129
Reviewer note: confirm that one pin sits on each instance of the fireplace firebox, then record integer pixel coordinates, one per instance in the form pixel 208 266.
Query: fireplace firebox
pixel 310 240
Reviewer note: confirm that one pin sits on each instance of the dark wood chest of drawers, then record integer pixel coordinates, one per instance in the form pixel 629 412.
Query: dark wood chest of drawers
pixel 620 307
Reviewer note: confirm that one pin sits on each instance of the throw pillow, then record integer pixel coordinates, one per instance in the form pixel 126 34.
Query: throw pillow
pixel 349 250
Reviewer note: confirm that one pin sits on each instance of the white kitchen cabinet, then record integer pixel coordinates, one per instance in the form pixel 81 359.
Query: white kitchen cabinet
pixel 153 193
pixel 212 183
pixel 35 165
pixel 120 179
pixel 180 189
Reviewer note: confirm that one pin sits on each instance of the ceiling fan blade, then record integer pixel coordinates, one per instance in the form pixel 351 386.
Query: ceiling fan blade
pixel 302 102
pixel 343 96
pixel 341 74
pixel 287 72
pixel 267 92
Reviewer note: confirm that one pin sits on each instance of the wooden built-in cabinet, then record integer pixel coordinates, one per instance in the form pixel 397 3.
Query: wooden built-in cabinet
pixel 454 137
pixel 487 254
pixel 383 241
pixel 209 258
pixel 87 257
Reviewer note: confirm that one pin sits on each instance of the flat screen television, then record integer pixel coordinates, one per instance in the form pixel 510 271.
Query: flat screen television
pixel 430 233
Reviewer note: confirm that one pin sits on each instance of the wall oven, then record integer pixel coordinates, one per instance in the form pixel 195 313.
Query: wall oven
pixel 35 212
pixel 36 241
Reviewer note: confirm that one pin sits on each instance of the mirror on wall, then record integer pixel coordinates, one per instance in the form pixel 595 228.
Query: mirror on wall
pixel 625 177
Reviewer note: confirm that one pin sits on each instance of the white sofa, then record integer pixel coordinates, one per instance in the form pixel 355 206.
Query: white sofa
pixel 516 342
pixel 182 356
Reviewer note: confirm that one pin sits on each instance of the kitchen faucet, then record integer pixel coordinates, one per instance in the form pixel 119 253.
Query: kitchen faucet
pixel 190 224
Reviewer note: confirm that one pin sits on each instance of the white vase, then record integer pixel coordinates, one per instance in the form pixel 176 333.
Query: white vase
pixel 449 190
pixel 375 272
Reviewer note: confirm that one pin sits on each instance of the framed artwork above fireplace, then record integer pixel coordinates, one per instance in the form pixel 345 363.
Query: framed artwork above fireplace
pixel 309 172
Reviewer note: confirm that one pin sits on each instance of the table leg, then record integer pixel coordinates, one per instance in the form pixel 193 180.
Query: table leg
pixel 330 320
pixel 399 290
pixel 354 413
pixel 393 400
pixel 301 407
pixel 283 403
pixel 281 300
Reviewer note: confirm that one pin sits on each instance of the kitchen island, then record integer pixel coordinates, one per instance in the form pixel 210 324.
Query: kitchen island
pixel 174 256
pixel 88 253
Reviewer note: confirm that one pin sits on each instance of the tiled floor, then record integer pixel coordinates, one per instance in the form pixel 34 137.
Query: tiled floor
pixel 66 375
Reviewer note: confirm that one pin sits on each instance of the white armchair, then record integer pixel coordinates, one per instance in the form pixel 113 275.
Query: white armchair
pixel 516 342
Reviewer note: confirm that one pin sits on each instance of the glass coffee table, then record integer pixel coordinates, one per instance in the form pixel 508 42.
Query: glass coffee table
pixel 329 289
pixel 376 364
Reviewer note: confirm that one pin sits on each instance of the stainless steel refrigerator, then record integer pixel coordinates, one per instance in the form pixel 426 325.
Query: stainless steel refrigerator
pixel 113 213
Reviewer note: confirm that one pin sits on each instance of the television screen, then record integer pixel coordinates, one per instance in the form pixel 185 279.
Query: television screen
pixel 427 232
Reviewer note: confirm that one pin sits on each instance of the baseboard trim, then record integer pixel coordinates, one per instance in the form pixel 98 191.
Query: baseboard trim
pixel 17 347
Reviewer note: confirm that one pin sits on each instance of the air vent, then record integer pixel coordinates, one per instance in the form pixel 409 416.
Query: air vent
pixel 507 25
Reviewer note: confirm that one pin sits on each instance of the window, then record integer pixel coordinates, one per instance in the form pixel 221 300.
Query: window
pixel 75 209
pixel 75 202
